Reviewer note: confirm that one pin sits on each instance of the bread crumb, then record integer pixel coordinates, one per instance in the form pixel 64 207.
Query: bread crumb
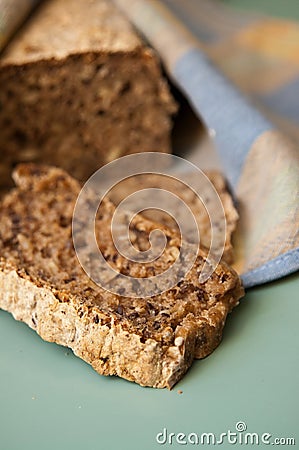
pixel 179 391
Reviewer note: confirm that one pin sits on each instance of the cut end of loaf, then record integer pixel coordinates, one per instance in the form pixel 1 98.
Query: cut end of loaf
pixel 80 89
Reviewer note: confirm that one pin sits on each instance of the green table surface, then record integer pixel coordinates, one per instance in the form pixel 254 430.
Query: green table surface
pixel 49 399
pixel 281 8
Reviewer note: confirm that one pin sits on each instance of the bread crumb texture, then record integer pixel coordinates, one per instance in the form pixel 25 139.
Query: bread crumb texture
pixel 79 88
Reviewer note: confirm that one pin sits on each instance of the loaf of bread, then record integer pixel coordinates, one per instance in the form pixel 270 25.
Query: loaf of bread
pixel 78 89
pixel 151 341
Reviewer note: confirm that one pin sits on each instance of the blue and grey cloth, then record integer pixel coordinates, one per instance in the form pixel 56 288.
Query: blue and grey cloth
pixel 241 75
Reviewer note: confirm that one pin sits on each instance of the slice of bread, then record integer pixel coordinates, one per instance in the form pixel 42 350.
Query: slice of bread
pixel 151 341
pixel 77 76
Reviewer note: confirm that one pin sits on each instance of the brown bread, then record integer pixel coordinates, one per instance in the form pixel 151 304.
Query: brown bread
pixel 151 341
pixel 203 208
pixel 78 89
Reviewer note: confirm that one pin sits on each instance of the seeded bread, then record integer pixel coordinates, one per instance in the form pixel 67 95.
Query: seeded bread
pixel 203 208
pixel 151 341
pixel 78 89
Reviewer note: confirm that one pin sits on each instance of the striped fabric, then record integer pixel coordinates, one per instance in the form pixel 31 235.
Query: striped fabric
pixel 240 73
pixel 12 15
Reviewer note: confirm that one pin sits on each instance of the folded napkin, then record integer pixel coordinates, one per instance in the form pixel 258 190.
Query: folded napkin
pixel 241 75
pixel 12 15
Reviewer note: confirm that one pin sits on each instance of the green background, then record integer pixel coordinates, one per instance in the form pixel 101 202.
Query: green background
pixel 50 399
pixel 281 8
